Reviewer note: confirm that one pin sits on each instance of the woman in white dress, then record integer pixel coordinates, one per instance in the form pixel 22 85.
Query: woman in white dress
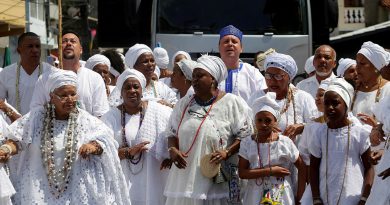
pixel 6 187
pixel 208 123
pixel 182 76
pixel 265 159
pixel 138 128
pixel 67 155
pixel 102 65
pixel 340 172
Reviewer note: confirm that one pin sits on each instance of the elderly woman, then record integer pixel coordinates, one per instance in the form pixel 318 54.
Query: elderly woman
pixel 209 123
pixel 140 57
pixel 137 126
pixel 347 69
pixel 101 64
pixel 67 155
pixel 182 77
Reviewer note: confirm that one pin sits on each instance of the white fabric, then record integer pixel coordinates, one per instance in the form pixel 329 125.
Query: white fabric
pixel 337 141
pixel 26 85
pixel 344 64
pixel 6 187
pixel 114 72
pixel 98 180
pixel 246 81
pixel 90 89
pixel 311 84
pixel 61 78
pixel 228 117
pixel 381 111
pixel 283 153
pixel 187 66
pixel 97 59
pixel 376 54
pixel 268 103
pixel 364 101
pixel 148 185
pixel 159 91
pixel 161 57
pixel 282 61
pixel 157 71
pixel 309 67
pixel 325 84
pixel 134 53
pixel 188 57
pixel 343 89
pixel 213 65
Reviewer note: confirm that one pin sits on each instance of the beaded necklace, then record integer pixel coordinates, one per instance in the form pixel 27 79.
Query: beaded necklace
pixel 137 160
pixel 58 177
pixel 345 168
pixel 17 94
pixel 377 95
pixel 269 157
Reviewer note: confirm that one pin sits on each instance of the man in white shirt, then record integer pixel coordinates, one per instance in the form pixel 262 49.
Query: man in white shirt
pixel 90 85
pixel 324 62
pixel 17 80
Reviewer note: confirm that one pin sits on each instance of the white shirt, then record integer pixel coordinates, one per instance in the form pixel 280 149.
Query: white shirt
pixel 245 80
pixel 159 91
pixel 26 85
pixel 311 84
pixel 90 88
pixel 364 101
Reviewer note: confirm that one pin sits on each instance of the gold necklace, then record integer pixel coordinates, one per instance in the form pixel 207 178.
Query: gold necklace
pixel 377 95
pixel 17 92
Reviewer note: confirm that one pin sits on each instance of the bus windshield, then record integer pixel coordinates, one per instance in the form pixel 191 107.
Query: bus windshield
pixel 252 17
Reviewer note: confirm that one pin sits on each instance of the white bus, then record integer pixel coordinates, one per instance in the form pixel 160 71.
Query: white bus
pixel 193 26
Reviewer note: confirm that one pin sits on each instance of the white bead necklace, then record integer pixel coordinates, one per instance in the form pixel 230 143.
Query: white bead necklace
pixel 17 92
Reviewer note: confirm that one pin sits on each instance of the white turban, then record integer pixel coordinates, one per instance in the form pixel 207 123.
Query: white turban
pixel 282 61
pixel 261 57
pixel 376 54
pixel 114 72
pixel 344 64
pixel 161 57
pixel 309 67
pixel 60 78
pixel 381 111
pixel 187 66
pixel 188 57
pixel 213 65
pixel 324 84
pixel 134 53
pixel 115 98
pixel 342 88
pixel 97 59
pixel 266 103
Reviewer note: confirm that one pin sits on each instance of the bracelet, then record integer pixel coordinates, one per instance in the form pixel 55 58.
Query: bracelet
pixel 9 112
pixel 6 148
pixel 317 201
pixel 228 154
pixel 362 198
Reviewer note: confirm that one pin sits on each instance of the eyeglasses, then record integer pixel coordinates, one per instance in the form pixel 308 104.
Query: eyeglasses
pixel 268 76
pixel 71 97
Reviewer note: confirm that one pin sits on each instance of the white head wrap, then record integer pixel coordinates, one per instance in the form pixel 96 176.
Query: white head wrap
pixel 161 57
pixel 115 98
pixel 188 57
pixel 157 71
pixel 187 66
pixel 261 57
pixel 266 103
pixel 213 65
pixel 282 61
pixel 342 88
pixel 114 72
pixel 134 53
pixel 309 67
pixel 324 84
pixel 381 111
pixel 344 64
pixel 376 54
pixel 97 59
pixel 60 78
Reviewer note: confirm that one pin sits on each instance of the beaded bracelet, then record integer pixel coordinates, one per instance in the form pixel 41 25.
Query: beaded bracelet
pixel 6 148
pixel 317 201
pixel 9 112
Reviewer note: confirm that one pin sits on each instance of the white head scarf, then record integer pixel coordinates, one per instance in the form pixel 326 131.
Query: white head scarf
pixel 97 59
pixel 157 71
pixel 309 67
pixel 261 57
pixel 282 61
pixel 188 57
pixel 161 57
pixel 324 84
pixel 134 53
pixel 213 65
pixel 267 103
pixel 344 64
pixel 381 111
pixel 60 78
pixel 187 66
pixel 114 72
pixel 115 98
pixel 376 54
pixel 342 88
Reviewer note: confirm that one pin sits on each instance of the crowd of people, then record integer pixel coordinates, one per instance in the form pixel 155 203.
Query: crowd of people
pixel 126 129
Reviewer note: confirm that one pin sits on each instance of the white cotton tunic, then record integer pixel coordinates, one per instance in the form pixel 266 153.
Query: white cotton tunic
pixel 227 120
pixel 159 91
pixel 90 88
pixel 311 84
pixel 364 101
pixel 245 81
pixel 284 153
pixel 26 85
pixel 6 187
pixel 98 180
pixel 145 177
pixel 354 176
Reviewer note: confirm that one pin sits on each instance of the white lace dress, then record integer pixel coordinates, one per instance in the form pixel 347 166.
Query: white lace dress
pixel 284 153
pixel 145 177
pixel 6 187
pixel 98 180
